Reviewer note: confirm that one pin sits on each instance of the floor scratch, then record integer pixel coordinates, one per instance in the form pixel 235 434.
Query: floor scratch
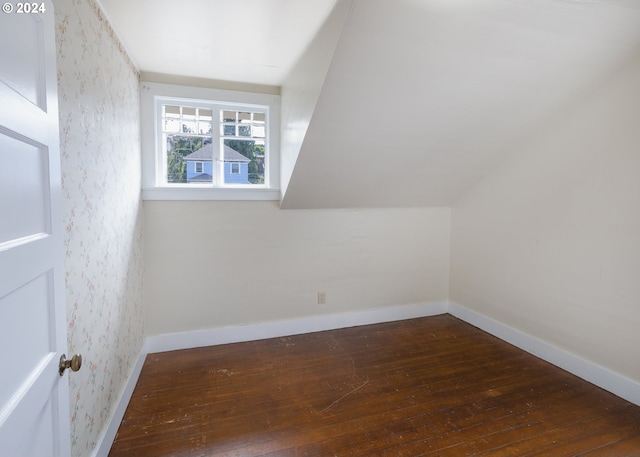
pixel 354 374
pixel 344 396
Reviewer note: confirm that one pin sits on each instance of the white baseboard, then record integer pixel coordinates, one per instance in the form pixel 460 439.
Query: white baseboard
pixel 263 330
pixel 103 446
pixel 596 374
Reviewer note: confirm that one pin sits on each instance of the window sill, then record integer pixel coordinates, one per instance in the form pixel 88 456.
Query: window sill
pixel 165 193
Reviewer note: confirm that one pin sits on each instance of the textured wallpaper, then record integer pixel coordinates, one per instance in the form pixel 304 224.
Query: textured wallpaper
pixel 100 148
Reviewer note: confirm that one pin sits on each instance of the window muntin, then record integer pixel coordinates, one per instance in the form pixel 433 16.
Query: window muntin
pixel 202 142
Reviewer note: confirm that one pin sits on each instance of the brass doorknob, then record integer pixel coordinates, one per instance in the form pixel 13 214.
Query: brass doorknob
pixel 75 363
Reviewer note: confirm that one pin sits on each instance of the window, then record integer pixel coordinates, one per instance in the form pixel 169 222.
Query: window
pixel 209 144
pixel 198 138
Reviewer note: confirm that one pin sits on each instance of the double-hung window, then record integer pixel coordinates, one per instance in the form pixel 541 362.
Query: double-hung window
pixel 218 145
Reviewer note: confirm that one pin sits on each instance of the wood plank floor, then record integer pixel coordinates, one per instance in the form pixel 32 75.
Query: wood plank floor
pixel 433 386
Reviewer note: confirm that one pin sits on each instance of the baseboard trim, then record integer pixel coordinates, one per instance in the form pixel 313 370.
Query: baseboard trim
pixel 589 371
pixel 103 446
pixel 317 323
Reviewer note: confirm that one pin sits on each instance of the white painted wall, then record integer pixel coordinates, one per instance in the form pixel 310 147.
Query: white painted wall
pixel 302 87
pixel 212 264
pixel 549 243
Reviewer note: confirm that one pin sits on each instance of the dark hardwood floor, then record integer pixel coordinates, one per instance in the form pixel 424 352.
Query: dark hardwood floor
pixel 434 386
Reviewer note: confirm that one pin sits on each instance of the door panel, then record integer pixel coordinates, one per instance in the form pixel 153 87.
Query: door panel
pixel 26 213
pixel 23 62
pixel 26 307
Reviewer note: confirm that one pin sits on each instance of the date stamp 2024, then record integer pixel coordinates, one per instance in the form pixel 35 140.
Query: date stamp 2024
pixel 23 8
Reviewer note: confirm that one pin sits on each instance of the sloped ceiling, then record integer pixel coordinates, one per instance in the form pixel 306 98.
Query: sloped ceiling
pixel 247 41
pixel 409 102
pixel 423 98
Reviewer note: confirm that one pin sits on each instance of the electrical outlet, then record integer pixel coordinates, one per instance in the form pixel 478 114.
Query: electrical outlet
pixel 322 298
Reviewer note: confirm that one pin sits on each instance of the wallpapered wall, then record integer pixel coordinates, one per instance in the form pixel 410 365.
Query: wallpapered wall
pixel 100 148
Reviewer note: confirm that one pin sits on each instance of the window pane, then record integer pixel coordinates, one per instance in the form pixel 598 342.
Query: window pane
pixel 244 116
pixel 188 112
pixel 228 116
pixel 189 127
pixel 204 128
pixel 244 130
pixel 172 125
pixel 249 158
pixel 183 153
pixel 258 131
pixel 205 114
pixel 171 111
pixel 228 130
pixel 258 117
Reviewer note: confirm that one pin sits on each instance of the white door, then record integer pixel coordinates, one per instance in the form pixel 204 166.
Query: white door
pixel 34 397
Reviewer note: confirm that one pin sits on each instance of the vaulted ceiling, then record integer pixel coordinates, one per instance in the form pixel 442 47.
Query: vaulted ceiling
pixel 391 103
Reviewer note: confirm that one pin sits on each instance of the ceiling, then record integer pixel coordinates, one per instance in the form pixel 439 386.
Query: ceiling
pixel 249 41
pixel 421 99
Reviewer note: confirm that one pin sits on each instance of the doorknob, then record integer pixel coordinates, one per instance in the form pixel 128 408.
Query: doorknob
pixel 75 363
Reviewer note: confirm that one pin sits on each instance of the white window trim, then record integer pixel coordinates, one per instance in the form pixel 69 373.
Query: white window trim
pixel 152 190
pixel 231 172
pixel 195 166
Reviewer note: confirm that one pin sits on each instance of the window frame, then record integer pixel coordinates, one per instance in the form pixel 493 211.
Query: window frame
pixel 154 185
